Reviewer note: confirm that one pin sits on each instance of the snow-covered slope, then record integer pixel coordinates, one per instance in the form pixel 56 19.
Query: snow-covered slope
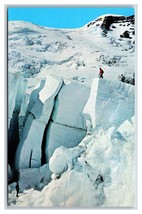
pixel 74 129
pixel 34 49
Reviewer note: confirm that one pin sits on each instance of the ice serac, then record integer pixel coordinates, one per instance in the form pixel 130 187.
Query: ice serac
pixel 69 105
pixel 59 135
pixel 29 100
pixel 16 88
pixel 18 85
pixel 28 154
pixel 67 126
pixel 127 130
pixel 99 172
pixel 63 157
pixel 109 105
pixel 35 178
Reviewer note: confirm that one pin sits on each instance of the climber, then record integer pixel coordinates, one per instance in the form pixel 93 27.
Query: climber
pixel 101 73
pixel 17 189
pixel 98 181
pixel 133 81
pixel 122 78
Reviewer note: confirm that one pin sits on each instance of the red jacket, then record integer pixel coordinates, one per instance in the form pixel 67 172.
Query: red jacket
pixel 101 71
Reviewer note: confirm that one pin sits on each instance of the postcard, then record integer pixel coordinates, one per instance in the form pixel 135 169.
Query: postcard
pixel 71 107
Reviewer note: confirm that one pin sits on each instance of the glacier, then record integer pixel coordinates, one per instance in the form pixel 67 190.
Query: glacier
pixel 71 136
pixel 108 104
pixel 41 110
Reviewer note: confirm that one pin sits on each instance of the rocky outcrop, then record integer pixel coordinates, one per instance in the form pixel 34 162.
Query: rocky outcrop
pixel 109 20
pixel 105 22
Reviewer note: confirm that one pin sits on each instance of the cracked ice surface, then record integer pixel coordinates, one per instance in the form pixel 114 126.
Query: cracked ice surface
pixel 99 172
pixel 30 143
